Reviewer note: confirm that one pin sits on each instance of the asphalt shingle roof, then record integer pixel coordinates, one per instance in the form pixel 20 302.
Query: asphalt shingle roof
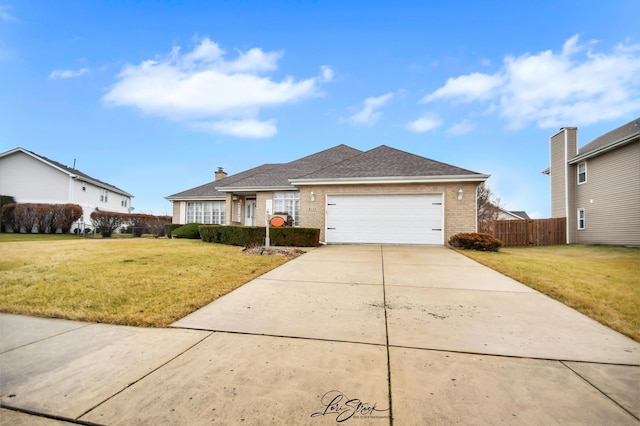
pixel 338 162
pixel 610 138
pixel 521 214
pixel 209 189
pixel 279 176
pixel 385 161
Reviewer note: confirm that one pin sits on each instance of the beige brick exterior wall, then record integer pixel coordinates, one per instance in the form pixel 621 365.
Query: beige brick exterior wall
pixel 176 212
pixel 459 215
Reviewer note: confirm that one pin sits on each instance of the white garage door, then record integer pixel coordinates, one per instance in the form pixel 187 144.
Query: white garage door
pixel 385 219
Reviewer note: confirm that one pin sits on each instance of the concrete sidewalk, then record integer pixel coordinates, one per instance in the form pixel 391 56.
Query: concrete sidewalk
pixel 353 333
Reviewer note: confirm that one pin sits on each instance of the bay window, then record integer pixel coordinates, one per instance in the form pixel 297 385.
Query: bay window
pixel 206 212
pixel 287 202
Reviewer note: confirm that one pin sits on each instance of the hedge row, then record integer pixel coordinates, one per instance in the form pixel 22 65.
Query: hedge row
pixel 248 236
pixel 40 218
pixel 106 222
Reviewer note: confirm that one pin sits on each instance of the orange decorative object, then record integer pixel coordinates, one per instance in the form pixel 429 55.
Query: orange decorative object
pixel 277 221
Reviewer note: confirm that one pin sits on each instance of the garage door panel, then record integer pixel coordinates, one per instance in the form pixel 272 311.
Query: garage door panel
pixel 394 219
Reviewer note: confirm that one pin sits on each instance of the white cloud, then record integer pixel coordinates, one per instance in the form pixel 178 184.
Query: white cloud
pixel 462 128
pixel 202 86
pixel 240 128
pixel 369 113
pixel 63 74
pixel 327 73
pixel 576 86
pixel 5 15
pixel 467 88
pixel 424 124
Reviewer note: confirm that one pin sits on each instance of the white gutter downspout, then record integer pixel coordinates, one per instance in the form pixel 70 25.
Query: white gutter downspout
pixel 71 189
pixel 566 184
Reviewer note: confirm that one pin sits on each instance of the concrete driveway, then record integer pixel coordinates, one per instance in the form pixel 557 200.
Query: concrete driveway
pixel 354 334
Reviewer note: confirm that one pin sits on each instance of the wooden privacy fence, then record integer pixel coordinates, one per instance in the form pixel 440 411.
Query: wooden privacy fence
pixel 530 232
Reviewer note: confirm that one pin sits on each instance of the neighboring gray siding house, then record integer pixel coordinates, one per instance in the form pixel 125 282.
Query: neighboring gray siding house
pixel 503 214
pixel 383 195
pixel 597 187
pixel 32 178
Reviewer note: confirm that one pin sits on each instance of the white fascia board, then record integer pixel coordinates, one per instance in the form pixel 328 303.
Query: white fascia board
pixel 255 188
pixel 197 198
pixel 66 172
pixel 606 148
pixel 37 157
pixel 388 180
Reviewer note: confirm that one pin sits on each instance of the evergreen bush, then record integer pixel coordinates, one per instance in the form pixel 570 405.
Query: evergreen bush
pixel 248 236
pixel 190 231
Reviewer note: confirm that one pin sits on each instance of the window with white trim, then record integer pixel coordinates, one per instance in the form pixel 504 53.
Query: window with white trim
pixel 206 212
pixel 582 172
pixel 581 219
pixel 104 196
pixel 287 202
pixel 124 202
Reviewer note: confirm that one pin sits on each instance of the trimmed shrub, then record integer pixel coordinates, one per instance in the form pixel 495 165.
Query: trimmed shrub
pixel 66 215
pixel 169 227
pixel 295 237
pixel 27 217
pixel 147 224
pixel 4 221
pixel 245 236
pixel 476 241
pixel 190 231
pixel 248 236
pixel 8 217
pixel 106 222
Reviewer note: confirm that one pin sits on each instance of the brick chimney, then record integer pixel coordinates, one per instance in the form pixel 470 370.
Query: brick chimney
pixel 220 173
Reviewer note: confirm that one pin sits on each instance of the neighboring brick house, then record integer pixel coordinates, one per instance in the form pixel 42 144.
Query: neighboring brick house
pixel 597 187
pixel 32 178
pixel 383 195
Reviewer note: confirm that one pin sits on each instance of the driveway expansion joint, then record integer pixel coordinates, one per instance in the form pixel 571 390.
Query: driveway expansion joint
pixel 147 374
pixel 48 416
pixel 386 332
pixel 593 385
pixel 48 337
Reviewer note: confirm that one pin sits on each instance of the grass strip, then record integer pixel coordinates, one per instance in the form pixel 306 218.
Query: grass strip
pixel 602 282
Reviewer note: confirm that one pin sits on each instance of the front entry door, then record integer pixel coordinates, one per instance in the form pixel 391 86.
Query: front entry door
pixel 250 213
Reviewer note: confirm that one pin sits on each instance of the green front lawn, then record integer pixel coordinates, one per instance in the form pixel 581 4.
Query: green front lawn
pixel 134 281
pixel 602 282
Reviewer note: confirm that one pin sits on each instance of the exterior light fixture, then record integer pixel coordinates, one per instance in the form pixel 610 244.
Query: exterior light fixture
pixel 460 194
pixel 312 196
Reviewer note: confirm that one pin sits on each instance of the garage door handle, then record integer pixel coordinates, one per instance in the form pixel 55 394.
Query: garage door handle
pixel 331 204
pixel 436 229
pixel 331 228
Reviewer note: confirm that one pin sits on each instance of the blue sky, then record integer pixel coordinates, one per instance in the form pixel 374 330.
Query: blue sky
pixel 153 96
